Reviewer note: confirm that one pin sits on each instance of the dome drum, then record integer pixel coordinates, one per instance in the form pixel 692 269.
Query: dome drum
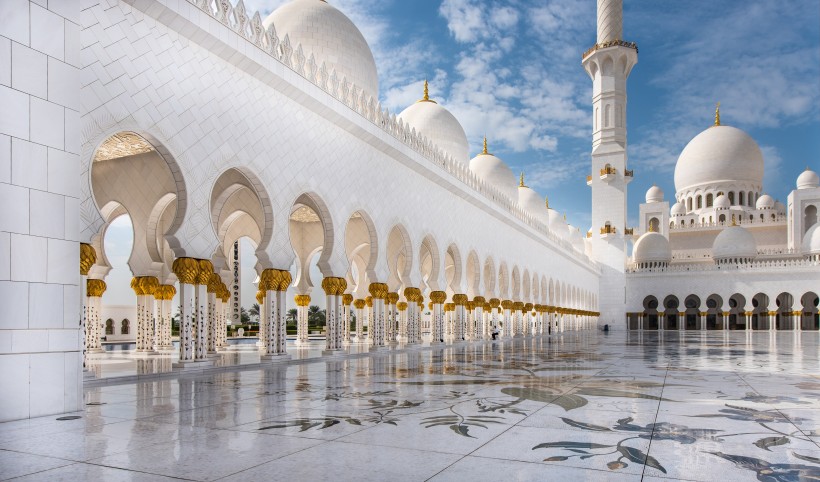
pixel 734 245
pixel 652 250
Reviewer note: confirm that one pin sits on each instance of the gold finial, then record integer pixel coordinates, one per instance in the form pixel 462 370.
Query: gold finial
pixel 651 228
pixel 734 222
pixel 426 97
pixel 547 202
pixel 521 180
pixel 565 216
pixel 717 114
pixel 485 152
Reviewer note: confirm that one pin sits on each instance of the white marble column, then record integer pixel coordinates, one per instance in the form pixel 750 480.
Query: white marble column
pixel 302 330
pixel 187 271
pixel 163 297
pixel 391 325
pixel 360 306
pixel 378 292
pixel 206 269
pixel 263 319
pixel 401 306
pixel 478 318
pixel 275 283
pixel 460 318
pixel 347 300
pixel 212 288
pixel 437 329
pixel 334 289
pixel 88 256
pixel 94 291
pixel 507 329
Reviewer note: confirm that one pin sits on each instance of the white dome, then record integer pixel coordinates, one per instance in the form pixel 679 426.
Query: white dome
pixel 811 241
pixel 678 209
pixel 557 223
pixel 808 179
pixel 734 242
pixel 765 202
pixel 654 195
pixel 331 37
pixel 652 247
pixel 719 154
pixel 779 207
pixel 533 203
pixel 722 202
pixel 440 126
pixel 494 172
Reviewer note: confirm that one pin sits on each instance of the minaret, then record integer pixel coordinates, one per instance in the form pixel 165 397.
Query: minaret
pixel 608 64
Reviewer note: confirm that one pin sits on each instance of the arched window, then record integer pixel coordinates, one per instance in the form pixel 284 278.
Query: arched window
pixel 654 225
pixel 607 113
pixel 740 198
pixel 732 198
pixel 700 201
pixel 810 218
pixel 597 115
pixel 109 326
pixel 709 200
pixel 750 199
pixel 125 327
pixel 722 218
pixel 689 204
pixel 691 222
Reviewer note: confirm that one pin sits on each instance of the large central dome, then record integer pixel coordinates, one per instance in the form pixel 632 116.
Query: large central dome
pixel 716 155
pixel 331 37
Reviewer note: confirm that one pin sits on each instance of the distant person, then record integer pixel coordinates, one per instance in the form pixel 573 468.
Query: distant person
pixel 495 333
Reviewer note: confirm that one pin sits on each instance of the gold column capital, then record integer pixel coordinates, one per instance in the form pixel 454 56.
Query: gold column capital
pixel 438 297
pixel 186 269
pixel 369 301
pixel 275 280
pixel 378 290
pixel 88 256
pixel 359 303
pixel 479 300
pixel 401 306
pixel 347 298
pixel 392 298
pixel 459 299
pixel 214 283
pixel 302 300
pixel 260 296
pixel 95 287
pixel 206 268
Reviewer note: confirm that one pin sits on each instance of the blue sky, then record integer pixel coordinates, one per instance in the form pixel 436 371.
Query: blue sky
pixel 511 69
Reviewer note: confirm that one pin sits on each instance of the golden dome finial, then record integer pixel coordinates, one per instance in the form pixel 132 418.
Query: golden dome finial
pixel 426 97
pixel 521 180
pixel 565 217
pixel 651 228
pixel 547 202
pixel 734 221
pixel 717 114
pixel 485 151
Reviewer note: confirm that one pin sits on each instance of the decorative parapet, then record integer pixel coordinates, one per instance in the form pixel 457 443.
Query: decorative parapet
pixel 629 231
pixel 783 264
pixel 266 39
pixel 607 230
pixel 610 43
pixel 740 221
pixel 629 173
pixel 608 170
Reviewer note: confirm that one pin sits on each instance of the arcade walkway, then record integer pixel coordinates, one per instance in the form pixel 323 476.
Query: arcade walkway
pixel 577 406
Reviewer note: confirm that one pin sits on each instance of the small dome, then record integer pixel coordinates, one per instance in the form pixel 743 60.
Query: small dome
pixel 808 179
pixel 331 37
pixel 439 125
pixel 533 203
pixel 719 154
pixel 652 247
pixel 734 242
pixel 557 223
pixel 495 172
pixel 654 195
pixel 811 241
pixel 765 202
pixel 722 202
pixel 679 209
pixel 779 207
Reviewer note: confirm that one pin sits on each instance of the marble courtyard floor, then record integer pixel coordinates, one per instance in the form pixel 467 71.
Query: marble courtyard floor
pixel 578 406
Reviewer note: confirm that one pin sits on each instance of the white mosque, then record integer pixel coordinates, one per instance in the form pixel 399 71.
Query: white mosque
pixel 204 123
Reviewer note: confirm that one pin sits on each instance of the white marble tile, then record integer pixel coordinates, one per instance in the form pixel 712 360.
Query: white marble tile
pixel 29 163
pixel 14 299
pixel 347 461
pixel 16 24
pixel 29 70
pixel 195 458
pixel 29 258
pixel 47 32
pixel 15 464
pixel 480 469
pixel 81 471
pixel 45 305
pixel 47 123
pixel 44 218
pixel 15 220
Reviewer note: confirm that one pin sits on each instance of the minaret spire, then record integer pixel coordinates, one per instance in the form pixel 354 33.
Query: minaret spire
pixel 426 97
pixel 485 152
pixel 717 114
pixel 521 180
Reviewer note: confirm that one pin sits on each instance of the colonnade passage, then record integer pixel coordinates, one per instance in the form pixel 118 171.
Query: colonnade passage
pixel 390 317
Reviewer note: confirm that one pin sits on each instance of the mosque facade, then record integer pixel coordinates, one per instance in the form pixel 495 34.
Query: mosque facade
pixel 205 123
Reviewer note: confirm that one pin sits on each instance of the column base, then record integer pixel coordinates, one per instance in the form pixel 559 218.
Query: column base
pixel 144 353
pixel 379 348
pixel 299 342
pixel 274 358
pixel 192 364
pixel 88 374
pixel 94 351
pixel 334 353
pixel 164 348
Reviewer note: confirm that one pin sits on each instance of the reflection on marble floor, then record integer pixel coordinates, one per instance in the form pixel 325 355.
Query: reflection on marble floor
pixel 579 406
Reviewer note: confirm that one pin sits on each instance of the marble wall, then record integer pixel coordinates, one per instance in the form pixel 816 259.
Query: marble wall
pixel 40 358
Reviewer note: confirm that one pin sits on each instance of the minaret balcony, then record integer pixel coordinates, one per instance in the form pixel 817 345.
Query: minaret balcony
pixel 608 174
pixel 629 174
pixel 589 180
pixel 608 231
